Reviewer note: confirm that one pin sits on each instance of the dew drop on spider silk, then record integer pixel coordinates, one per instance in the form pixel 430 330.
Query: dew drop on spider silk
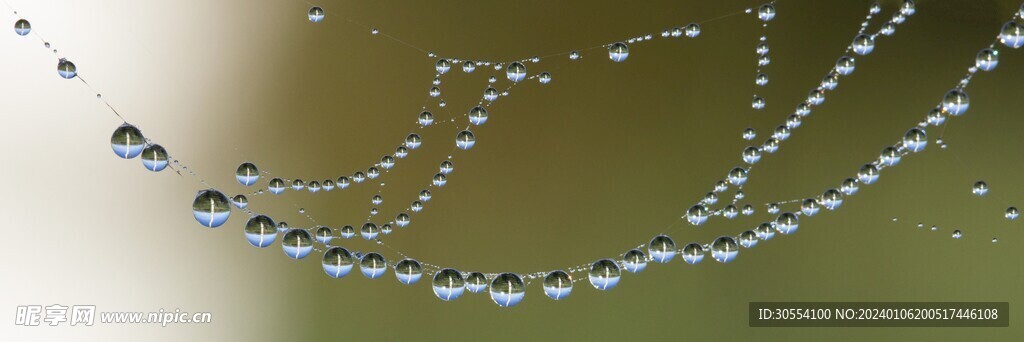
pixel 490 94
pixel 604 274
pixel 348 232
pixel 915 140
pixel 1012 213
pixel 697 215
pixel 849 187
pixel 831 199
pixel 127 141
pixel 766 12
pixel 337 262
pixel 465 140
pixel 980 188
pixel 22 27
pixel 1012 34
pixel 298 184
pixel 787 223
pixel 749 134
pixel 557 285
pixel 440 179
pixel 316 14
pixel 516 72
pixel 724 249
pixel 544 78
pixel 373 265
pixel 634 261
pixel 693 253
pixel 426 118
pixel 66 69
pixel 369 231
pixel 297 243
pixel 507 289
pixel 413 141
pixel 863 44
pixel 758 102
pixel 408 271
pixel 154 158
pixel 618 52
pixel 987 59
pixel 662 249
pixel 845 65
pixel 748 239
pixel 476 282
pixel 890 156
pixel 478 115
pixel 956 102
pixel 448 284
pixel 692 30
pixel 211 208
pixel 442 66
pixel 402 219
pixel 868 174
pixel 324 235
pixel 240 201
pixel 260 231
pixel 276 186
pixel 810 207
pixel 765 231
pixel 247 174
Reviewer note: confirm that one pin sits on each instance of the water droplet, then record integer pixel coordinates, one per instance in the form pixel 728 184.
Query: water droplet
pixel 22 27
pixel 297 243
pixel 211 208
pixel 373 265
pixel 337 262
pixel 465 140
pixel 724 249
pixel 980 188
pixel 604 274
pixel 408 271
pixel 766 12
pixel 127 141
pixel 154 158
pixel 507 289
pixel 247 174
pixel 557 285
pixel 316 14
pixel 516 72
pixel 618 52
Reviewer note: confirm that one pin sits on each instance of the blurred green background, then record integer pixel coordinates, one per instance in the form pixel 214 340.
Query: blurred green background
pixel 601 159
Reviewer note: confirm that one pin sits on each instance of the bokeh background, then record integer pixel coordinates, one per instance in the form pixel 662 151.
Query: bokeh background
pixel 601 159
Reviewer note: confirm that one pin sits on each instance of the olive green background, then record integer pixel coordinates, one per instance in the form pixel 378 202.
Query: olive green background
pixel 600 160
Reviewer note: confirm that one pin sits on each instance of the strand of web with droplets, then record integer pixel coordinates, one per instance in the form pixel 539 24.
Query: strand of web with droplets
pixel 127 140
pixel 788 219
pixel 317 14
pixel 954 103
pixel 369 231
pixel 490 95
pixel 862 45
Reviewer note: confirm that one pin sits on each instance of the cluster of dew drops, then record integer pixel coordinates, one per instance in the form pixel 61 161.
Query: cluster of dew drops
pixel 211 208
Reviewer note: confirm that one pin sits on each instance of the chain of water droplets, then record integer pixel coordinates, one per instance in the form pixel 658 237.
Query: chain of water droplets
pixel 787 220
pixel 913 141
pixel 516 71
